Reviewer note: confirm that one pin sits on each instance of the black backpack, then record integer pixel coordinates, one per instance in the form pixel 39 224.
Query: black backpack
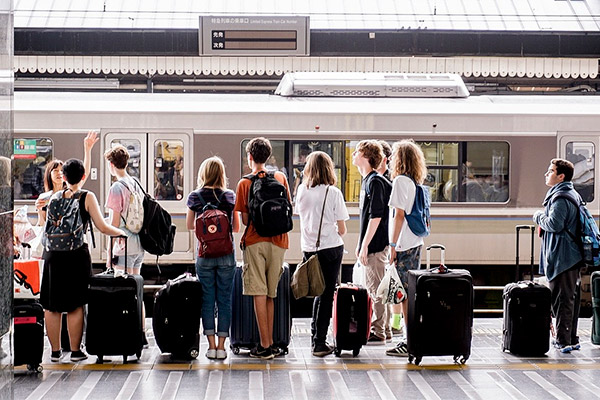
pixel 158 232
pixel 269 207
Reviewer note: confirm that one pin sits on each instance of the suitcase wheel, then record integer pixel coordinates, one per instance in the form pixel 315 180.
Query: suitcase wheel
pixel 138 354
pixel 284 350
pixel 418 360
pixel 355 352
pixel 461 359
pixel 194 353
pixel 35 368
pixel 124 359
pixel 236 350
pixel 100 359
pixel 337 352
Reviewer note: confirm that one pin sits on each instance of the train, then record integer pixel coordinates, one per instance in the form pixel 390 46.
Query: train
pixel 486 154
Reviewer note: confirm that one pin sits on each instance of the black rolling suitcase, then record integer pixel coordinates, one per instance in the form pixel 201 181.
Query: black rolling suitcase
pixel 352 311
pixel 176 317
pixel 527 315
pixel 28 334
pixel 244 330
pixel 595 286
pixel 440 312
pixel 114 321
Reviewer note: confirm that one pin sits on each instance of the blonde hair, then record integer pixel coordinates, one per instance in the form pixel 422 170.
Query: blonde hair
pixel 212 173
pixel 408 159
pixel 319 170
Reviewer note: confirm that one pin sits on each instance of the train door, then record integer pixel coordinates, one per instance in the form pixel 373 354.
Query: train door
pixel 581 151
pixel 163 163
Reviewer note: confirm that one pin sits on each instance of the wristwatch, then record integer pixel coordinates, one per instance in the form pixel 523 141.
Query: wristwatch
pixel 392 244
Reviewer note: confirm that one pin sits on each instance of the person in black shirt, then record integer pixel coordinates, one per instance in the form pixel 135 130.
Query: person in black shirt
pixel 372 249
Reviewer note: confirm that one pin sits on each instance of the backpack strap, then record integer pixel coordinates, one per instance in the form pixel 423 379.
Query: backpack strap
pixel 571 199
pixel 85 215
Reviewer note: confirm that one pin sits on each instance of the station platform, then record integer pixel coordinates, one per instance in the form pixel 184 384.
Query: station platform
pixel 488 374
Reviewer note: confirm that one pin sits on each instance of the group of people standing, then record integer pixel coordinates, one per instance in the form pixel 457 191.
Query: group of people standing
pixel 390 176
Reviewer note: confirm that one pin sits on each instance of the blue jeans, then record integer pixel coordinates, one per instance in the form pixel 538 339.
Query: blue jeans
pixel 216 277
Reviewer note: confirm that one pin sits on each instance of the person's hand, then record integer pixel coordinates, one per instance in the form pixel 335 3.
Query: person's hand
pixel 90 140
pixel 392 255
pixel 362 256
pixel 537 215
pixel 40 203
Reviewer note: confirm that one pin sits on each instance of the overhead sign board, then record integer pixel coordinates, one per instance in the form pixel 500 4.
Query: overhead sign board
pixel 254 35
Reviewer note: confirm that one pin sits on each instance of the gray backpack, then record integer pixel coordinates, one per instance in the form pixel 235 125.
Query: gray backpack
pixel 65 228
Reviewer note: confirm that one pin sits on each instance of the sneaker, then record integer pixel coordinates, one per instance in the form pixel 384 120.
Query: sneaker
pixel 78 356
pixel 221 354
pixel 401 350
pixel 211 354
pixel 396 332
pixel 145 344
pixel 563 349
pixel 322 349
pixel 261 352
pixel 389 336
pixel 576 346
pixel 56 355
pixel 276 351
pixel 374 339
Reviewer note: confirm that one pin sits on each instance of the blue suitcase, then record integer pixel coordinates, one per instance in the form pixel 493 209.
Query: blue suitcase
pixel 244 330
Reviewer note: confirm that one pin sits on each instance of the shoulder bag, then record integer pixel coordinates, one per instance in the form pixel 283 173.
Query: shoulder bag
pixel 308 280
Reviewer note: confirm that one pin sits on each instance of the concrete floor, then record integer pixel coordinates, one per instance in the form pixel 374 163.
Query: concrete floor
pixel 488 374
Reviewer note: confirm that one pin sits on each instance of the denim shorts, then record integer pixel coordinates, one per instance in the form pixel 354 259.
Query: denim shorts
pixel 134 261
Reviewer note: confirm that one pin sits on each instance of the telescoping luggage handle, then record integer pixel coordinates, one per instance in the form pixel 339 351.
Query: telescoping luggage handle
pixel 518 229
pixel 442 268
pixel 110 250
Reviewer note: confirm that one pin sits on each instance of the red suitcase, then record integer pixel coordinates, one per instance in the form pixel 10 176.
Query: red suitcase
pixel 352 311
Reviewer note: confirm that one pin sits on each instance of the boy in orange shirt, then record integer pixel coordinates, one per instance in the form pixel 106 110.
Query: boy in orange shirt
pixel 263 255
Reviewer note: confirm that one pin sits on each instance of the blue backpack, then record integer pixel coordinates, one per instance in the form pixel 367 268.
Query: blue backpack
pixel 419 219
pixel 588 234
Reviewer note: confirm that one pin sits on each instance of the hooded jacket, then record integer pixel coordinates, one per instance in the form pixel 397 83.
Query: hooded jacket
pixel 559 252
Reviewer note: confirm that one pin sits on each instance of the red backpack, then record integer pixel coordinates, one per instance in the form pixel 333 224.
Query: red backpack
pixel 213 230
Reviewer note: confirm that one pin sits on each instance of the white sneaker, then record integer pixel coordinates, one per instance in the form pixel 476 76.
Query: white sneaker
pixel 221 354
pixel 211 354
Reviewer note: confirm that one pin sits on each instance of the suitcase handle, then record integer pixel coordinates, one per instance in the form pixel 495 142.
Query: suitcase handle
pixel 518 229
pixel 110 250
pixel 442 267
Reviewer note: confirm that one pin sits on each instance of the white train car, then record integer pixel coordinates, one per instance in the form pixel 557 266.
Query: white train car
pixel 486 155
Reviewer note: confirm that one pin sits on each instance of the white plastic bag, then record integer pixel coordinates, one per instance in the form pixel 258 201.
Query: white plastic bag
pixel 391 290
pixel 23 228
pixel 358 274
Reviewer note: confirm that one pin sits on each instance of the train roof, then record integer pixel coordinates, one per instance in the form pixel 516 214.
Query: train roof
pixel 26 102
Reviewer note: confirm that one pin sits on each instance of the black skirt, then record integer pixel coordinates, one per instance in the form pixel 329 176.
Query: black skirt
pixel 65 279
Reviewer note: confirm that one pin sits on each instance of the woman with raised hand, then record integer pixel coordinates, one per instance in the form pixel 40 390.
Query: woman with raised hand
pixel 319 199
pixel 53 176
pixel 215 274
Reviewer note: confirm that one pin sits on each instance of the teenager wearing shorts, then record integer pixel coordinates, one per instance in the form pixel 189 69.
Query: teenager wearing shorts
pixel 263 256
pixel 408 162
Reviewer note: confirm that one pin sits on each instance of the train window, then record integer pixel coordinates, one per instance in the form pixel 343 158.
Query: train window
pixel 299 150
pixel 134 148
pixel 582 155
pixel 30 158
pixel 168 170
pixel 480 167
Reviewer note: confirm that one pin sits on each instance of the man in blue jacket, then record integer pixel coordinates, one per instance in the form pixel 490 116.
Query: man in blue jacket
pixel 561 256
